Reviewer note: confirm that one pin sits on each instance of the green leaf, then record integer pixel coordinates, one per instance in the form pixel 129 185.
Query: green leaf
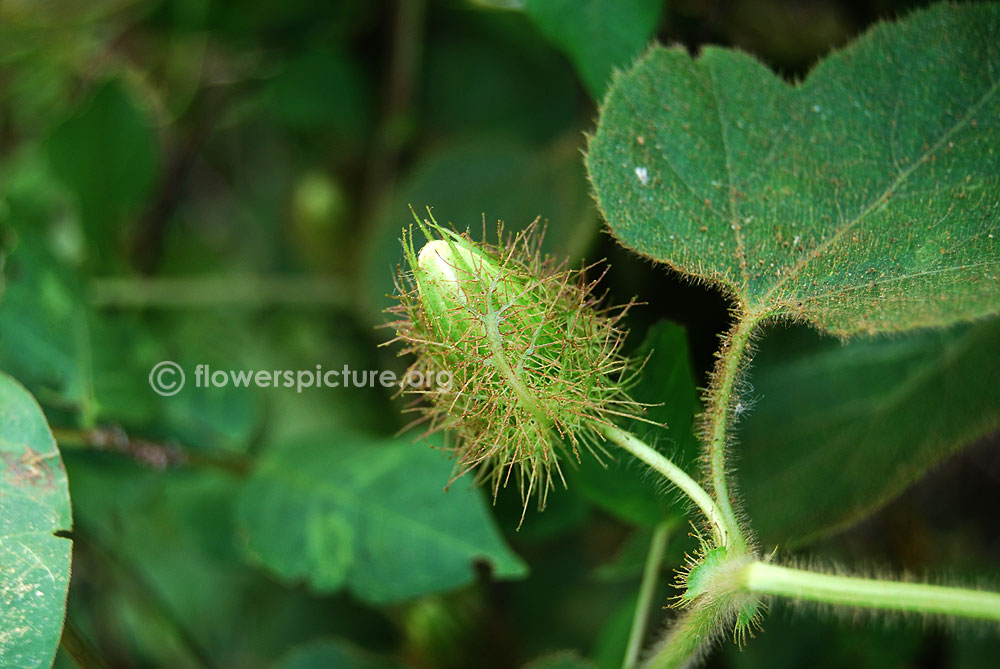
pixel 625 487
pixel 108 155
pixel 370 516
pixel 496 78
pixel 597 35
pixel 840 430
pixel 863 199
pixel 34 505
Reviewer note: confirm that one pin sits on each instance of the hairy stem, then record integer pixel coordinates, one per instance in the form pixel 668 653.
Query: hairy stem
pixel 650 575
pixel 721 396
pixel 675 475
pixel 870 593
pixel 688 638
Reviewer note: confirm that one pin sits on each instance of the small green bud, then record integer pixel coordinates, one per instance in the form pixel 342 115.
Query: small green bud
pixel 450 274
pixel 534 360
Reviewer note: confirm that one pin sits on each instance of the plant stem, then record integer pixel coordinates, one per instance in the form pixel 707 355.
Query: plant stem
pixel 151 454
pixel 871 593
pixel 687 638
pixel 650 574
pixel 720 399
pixel 675 475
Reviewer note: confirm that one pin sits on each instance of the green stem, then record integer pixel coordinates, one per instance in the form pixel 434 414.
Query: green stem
pixel 871 593
pixel 720 398
pixel 675 475
pixel 688 638
pixel 650 575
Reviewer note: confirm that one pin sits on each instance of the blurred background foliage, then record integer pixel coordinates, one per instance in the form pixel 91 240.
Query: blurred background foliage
pixel 225 183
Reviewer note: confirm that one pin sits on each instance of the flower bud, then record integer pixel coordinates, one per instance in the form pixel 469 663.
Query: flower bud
pixel 534 362
pixel 451 275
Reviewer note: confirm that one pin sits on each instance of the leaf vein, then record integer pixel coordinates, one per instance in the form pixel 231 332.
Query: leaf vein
pixel 879 201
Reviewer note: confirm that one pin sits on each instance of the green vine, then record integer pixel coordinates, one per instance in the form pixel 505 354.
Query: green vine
pixel 541 380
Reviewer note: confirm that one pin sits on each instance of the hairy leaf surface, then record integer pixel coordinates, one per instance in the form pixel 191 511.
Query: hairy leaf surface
pixel 864 199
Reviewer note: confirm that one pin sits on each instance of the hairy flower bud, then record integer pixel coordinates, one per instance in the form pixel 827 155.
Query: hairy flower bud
pixel 535 363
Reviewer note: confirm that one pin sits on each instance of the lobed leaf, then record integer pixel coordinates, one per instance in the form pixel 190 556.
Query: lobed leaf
pixel 864 199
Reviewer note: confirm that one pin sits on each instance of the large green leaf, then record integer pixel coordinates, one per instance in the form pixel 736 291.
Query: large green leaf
pixel 34 505
pixel 840 430
pixel 863 199
pixel 372 516
pixel 597 35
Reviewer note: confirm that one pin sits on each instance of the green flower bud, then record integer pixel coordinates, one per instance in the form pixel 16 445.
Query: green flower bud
pixel 534 360
pixel 451 275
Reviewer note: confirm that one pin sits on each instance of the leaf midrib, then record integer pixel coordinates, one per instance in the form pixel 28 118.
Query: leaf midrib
pixel 734 223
